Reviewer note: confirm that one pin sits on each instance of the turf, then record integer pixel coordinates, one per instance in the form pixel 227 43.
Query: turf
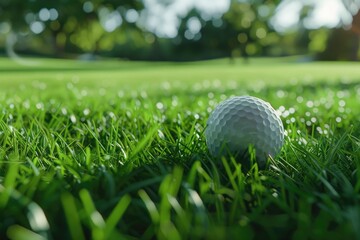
pixel 116 150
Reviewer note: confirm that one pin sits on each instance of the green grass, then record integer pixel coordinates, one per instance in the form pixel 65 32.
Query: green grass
pixel 116 150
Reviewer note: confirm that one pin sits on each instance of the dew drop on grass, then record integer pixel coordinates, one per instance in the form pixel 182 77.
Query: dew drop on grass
pixel 166 85
pixel 161 134
pixel 302 141
pixel 143 94
pixel 137 103
pixel 285 114
pixel 26 104
pixel 310 104
pixel 275 195
pixel 328 105
pixel 286 132
pixel 216 83
pixel 159 105
pixel 331 94
pixel 40 106
pixel 342 103
pixel 223 97
pixel 64 111
pixel 83 93
pixel 174 101
pixel 340 94
pixel 319 129
pixel 86 111
pixel 112 115
pixel 280 93
pixel 281 109
pixel 72 118
pixel 211 103
pixel 11 128
pixel 358 91
pixel 199 127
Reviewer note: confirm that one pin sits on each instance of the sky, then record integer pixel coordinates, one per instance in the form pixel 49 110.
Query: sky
pixel 164 21
pixel 327 13
pixel 156 14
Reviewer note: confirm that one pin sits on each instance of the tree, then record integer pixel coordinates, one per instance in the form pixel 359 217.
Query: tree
pixel 353 7
pixel 250 32
pixel 343 42
pixel 63 23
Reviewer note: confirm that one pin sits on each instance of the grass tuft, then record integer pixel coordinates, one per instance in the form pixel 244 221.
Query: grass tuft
pixel 87 159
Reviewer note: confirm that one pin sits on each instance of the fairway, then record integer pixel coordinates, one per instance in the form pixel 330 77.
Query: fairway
pixel 112 72
pixel 115 149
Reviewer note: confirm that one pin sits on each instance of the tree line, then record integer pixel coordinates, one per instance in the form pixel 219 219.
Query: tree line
pixel 66 28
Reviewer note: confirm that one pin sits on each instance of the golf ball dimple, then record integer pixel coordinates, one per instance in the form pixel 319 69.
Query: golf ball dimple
pixel 239 122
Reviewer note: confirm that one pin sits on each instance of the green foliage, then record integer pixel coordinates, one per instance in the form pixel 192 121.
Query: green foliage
pixel 82 158
pixel 66 28
pixel 72 28
pixel 250 22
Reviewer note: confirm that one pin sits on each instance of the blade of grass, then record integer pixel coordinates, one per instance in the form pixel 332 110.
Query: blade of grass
pixel 10 180
pixel 72 216
pixel 20 233
pixel 116 215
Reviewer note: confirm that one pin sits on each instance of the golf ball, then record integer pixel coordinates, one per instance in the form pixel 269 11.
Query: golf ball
pixel 239 122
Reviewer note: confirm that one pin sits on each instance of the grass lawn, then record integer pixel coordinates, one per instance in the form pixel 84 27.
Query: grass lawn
pixel 116 150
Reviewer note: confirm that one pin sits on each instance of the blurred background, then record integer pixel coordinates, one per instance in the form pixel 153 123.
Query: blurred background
pixel 180 30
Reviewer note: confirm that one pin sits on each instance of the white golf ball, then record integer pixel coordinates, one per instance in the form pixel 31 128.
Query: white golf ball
pixel 239 122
